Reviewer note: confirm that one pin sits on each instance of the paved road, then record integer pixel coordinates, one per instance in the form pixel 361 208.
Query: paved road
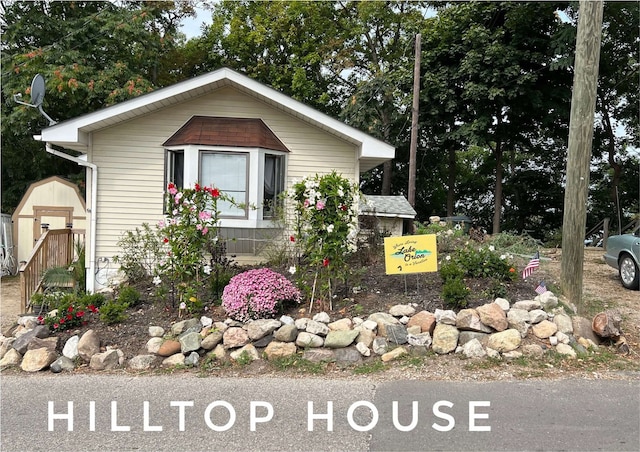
pixel 122 412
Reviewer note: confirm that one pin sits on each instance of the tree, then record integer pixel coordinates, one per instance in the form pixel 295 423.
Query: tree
pixel 91 54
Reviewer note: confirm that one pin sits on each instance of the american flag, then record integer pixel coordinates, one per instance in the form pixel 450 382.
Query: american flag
pixel 542 288
pixel 533 264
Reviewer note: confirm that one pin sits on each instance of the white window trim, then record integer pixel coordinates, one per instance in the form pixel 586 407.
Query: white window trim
pixel 255 173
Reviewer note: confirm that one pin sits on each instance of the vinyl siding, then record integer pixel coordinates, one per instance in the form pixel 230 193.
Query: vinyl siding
pixel 130 158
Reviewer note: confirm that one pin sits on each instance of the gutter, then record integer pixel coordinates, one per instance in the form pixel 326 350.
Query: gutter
pixel 91 282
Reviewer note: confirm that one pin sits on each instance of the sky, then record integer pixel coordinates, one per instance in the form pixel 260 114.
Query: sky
pixel 191 26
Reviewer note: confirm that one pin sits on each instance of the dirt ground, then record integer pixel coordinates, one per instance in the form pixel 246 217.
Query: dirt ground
pixel 377 292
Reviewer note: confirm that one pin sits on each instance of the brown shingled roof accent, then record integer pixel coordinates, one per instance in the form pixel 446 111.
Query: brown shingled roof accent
pixel 238 132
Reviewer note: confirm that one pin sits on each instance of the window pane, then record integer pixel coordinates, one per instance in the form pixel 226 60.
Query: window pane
pixel 175 168
pixel 227 172
pixel 273 183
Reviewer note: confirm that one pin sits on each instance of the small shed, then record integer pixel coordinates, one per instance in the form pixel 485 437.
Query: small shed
pixel 391 213
pixel 53 201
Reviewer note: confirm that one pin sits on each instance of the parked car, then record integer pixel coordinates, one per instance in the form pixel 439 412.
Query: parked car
pixel 623 254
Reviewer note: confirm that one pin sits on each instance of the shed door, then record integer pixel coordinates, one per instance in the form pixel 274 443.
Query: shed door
pixel 55 217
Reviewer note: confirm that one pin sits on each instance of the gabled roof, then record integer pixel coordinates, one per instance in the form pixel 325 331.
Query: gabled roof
pixel 74 133
pixel 386 206
pixel 235 132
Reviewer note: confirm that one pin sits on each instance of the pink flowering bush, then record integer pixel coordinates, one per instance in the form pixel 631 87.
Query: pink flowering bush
pixel 257 293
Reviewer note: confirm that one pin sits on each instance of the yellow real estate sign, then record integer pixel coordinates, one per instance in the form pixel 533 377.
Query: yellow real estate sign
pixel 410 254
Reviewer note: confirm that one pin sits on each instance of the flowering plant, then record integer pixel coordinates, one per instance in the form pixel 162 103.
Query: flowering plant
pixel 65 319
pixel 257 293
pixel 188 232
pixel 326 226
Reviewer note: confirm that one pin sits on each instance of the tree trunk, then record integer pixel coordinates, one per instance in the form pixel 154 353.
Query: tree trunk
pixel 611 150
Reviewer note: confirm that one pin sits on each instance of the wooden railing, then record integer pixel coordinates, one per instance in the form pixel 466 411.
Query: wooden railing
pixel 54 248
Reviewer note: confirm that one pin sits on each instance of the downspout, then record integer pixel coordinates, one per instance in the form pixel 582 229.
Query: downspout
pixel 94 197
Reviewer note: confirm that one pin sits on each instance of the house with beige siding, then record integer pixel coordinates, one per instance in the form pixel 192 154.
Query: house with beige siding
pixel 222 129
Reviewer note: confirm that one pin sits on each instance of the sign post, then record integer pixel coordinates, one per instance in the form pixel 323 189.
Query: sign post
pixel 410 254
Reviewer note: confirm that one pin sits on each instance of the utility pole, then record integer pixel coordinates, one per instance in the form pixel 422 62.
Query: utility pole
pixel 583 100
pixel 414 123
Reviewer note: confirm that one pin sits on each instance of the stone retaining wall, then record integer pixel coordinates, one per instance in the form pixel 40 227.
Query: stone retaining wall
pixel 498 329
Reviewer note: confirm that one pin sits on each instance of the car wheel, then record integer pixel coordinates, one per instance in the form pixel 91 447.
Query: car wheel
pixel 628 272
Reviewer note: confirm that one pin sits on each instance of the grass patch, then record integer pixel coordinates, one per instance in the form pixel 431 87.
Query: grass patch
pixel 370 367
pixel 297 363
pixel 483 364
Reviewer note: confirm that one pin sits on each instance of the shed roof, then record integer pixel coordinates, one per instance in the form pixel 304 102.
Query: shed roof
pixel 386 206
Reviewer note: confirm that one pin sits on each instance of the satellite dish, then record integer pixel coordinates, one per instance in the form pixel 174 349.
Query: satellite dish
pixel 38 89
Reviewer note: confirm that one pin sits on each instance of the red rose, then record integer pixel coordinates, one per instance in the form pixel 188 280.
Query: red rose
pixel 171 185
pixel 70 309
pixel 292 239
pixel 69 317
pixel 325 262
pixel 55 325
pixel 40 319
pixel 165 240
pixel 215 193
pixel 62 320
pixel 197 187
pixel 80 314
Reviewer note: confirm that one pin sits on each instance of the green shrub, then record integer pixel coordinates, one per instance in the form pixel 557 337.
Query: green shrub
pixel 113 311
pixel 455 293
pixel 142 252
pixel 92 299
pixel 129 295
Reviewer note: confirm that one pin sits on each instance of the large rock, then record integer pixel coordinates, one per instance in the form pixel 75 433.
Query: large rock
pixel 394 354
pixel 317 355
pixel 173 360
pixel 582 328
pixel 527 305
pixel 401 310
pixel 180 327
pixel 306 339
pixel 286 333
pixel 366 337
pixel 518 319
pixel 492 315
pixel 419 340
pixel 380 345
pixel 566 350
pixel 341 325
pixel 445 338
pixel 70 349
pixel 340 338
pixel 5 345
pixel 544 329
pixel 154 344
pixel 62 364
pixel 235 337
pixel 50 343
pixel 248 350
pixel 104 361
pixel 37 359
pixel 469 320
pixel 142 362
pixel 156 331
pixel 21 343
pixel 466 336
pixel 322 317
pixel 473 349
pixel 88 345
pixel 11 358
pixel 347 356
pixel 261 328
pixel 537 316
pixel 277 350
pixel 318 328
pixel 212 339
pixel 448 317
pixel 396 334
pixel 505 341
pixel 169 348
pixel 547 300
pixel 190 342
pixel 382 319
pixel 564 323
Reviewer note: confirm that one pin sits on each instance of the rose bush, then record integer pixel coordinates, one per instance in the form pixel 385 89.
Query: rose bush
pixel 257 293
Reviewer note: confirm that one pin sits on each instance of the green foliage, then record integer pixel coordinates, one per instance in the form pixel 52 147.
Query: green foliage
pixel 128 295
pixel 326 215
pixel 455 293
pixel 113 311
pixel 447 237
pixel 94 299
pixel 142 252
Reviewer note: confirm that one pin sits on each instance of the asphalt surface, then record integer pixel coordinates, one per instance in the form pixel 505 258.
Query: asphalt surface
pixel 169 413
